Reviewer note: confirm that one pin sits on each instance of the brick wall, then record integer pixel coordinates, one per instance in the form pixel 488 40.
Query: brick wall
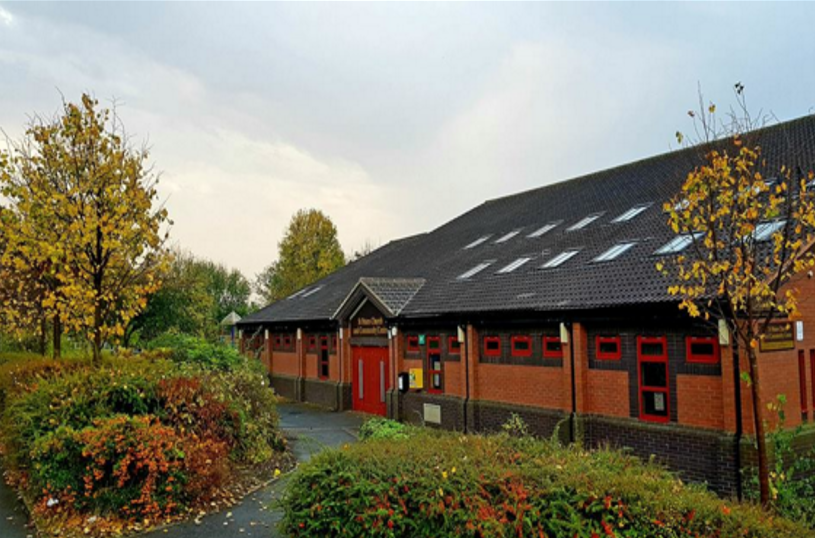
pixel 285 363
pixel 702 456
pixel 700 401
pixel 607 393
pixel 522 385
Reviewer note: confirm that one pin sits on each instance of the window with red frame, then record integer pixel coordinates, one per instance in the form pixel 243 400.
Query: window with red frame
pixel 454 345
pixel 287 341
pixel 278 341
pixel 552 348
pixel 492 346
pixel 521 346
pixel 434 360
pixel 312 343
pixel 653 378
pixel 607 348
pixel 323 358
pixel 412 343
pixel 702 349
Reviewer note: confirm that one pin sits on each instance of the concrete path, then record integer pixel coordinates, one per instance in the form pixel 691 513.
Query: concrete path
pixel 309 431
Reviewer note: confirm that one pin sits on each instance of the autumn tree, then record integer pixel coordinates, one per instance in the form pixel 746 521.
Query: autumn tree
pixel 308 252
pixel 749 225
pixel 83 204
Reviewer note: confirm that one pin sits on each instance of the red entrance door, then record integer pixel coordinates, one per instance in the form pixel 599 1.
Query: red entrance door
pixel 370 381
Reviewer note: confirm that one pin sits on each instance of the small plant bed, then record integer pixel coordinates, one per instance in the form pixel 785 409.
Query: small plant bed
pixel 421 483
pixel 138 440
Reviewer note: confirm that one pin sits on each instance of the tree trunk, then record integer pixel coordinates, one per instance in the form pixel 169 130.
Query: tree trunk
pixel 57 337
pixel 43 343
pixel 759 429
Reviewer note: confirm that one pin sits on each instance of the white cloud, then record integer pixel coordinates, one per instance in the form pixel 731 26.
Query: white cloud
pixel 6 17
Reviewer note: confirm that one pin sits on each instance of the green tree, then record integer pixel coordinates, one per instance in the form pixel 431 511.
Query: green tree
pixel 83 206
pixel 195 296
pixel 308 252
pixel 750 229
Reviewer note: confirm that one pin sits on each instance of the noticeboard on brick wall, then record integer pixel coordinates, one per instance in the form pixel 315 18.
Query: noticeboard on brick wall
pixel 778 337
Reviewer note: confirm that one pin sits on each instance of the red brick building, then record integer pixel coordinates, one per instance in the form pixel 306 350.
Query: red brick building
pixel 546 304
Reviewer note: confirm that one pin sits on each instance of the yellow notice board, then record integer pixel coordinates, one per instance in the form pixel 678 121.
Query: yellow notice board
pixel 415 378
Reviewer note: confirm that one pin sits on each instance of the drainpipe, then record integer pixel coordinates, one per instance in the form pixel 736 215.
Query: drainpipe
pixel 738 413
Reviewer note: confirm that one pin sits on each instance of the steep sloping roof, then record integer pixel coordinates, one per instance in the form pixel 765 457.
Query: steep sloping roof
pixel 442 256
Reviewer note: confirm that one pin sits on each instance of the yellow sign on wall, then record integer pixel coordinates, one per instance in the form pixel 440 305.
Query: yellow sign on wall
pixel 415 378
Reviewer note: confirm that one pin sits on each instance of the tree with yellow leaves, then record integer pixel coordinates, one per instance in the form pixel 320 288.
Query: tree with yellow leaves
pixel 82 214
pixel 750 228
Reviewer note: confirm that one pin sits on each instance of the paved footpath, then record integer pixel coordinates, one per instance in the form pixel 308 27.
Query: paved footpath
pixel 13 518
pixel 309 431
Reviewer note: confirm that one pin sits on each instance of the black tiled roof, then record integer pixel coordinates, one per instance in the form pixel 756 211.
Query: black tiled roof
pixel 439 257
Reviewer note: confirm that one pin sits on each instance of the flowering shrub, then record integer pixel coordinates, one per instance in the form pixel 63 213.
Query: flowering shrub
pixel 437 484
pixel 135 440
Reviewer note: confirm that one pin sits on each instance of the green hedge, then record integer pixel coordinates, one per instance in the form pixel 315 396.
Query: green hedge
pixel 438 484
pixel 183 348
pixel 136 437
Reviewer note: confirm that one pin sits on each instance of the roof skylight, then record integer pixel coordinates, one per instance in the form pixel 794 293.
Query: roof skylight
pixel 615 251
pixel 631 213
pixel 765 230
pixel 474 271
pixel 311 292
pixel 297 293
pixel 583 223
pixel 678 244
pixel 507 236
pixel 560 259
pixel 513 266
pixel 477 242
pixel 544 229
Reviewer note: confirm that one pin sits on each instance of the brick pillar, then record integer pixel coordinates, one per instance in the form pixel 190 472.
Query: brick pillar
pixel 267 352
pixel 300 351
pixel 579 345
pixel 472 373
pixel 393 398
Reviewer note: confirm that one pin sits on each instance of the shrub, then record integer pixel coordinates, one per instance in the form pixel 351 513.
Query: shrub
pixel 136 437
pixel 437 484
pixel 383 428
pixel 191 349
pixel 128 464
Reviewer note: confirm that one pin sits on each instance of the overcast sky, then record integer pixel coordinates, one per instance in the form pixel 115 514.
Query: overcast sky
pixel 391 118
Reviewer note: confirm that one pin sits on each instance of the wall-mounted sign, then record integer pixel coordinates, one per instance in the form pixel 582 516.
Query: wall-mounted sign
pixel 432 413
pixel 778 337
pixel 415 378
pixel 368 323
